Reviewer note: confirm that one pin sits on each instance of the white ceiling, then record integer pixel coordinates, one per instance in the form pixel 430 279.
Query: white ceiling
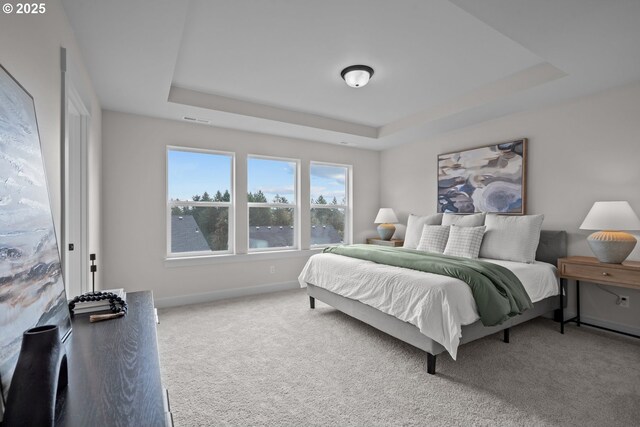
pixel 273 66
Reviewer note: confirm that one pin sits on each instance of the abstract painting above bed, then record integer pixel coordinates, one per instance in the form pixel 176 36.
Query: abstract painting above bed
pixel 31 286
pixel 485 179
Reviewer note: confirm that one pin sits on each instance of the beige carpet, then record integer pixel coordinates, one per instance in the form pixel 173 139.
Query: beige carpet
pixel 270 360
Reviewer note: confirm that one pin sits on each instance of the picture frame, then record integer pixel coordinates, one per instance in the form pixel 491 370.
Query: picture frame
pixel 490 178
pixel 33 292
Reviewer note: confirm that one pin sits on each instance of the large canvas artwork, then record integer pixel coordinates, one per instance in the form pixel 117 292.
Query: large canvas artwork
pixel 484 179
pixel 31 286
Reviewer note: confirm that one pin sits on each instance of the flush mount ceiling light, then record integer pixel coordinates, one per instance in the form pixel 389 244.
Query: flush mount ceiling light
pixel 357 75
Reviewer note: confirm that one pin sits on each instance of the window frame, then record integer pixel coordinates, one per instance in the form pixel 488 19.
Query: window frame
pixel 348 213
pixel 231 205
pixel 295 206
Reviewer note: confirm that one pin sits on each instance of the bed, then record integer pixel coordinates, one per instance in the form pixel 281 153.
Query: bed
pixel 371 293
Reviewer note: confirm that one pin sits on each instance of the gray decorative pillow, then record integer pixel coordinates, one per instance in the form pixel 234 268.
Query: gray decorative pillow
pixel 464 241
pixel 474 220
pixel 434 238
pixel 415 224
pixel 512 238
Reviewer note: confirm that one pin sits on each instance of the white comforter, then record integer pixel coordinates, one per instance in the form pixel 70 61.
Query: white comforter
pixel 438 305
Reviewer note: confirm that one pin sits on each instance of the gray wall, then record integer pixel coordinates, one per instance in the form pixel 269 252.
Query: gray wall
pixel 31 53
pixel 579 152
pixel 134 201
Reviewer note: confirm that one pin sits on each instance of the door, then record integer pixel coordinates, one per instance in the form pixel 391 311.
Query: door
pixel 76 257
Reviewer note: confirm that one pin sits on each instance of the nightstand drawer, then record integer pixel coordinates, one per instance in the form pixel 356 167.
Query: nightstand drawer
pixel 599 274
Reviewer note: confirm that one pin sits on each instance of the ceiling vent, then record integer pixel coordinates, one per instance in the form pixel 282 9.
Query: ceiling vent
pixel 196 120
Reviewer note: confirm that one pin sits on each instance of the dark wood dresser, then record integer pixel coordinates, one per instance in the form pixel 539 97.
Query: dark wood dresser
pixel 114 371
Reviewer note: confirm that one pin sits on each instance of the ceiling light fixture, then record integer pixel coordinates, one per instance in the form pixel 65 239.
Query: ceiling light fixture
pixel 357 75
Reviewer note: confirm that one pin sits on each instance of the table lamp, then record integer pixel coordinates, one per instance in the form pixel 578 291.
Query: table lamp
pixel 385 217
pixel 611 245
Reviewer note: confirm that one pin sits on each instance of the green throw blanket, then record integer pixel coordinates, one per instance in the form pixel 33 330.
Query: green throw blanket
pixel 498 293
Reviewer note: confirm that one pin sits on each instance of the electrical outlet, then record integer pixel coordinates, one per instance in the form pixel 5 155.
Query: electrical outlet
pixel 624 301
pixel 272 269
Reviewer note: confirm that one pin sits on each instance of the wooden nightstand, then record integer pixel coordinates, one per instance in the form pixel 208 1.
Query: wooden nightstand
pixel 393 242
pixel 589 269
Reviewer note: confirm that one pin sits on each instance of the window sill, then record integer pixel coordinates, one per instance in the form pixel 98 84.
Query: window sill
pixel 233 258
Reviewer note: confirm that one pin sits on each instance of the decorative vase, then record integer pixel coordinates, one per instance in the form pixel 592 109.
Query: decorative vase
pixel 40 375
pixel 385 231
pixel 611 247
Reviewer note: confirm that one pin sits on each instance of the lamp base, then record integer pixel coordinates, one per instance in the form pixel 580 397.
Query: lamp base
pixel 611 247
pixel 386 231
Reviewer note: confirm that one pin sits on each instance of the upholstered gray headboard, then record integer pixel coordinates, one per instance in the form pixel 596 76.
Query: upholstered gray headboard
pixel 553 245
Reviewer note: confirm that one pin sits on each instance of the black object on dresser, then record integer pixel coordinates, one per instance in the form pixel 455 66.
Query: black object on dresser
pixel 114 371
pixel 39 379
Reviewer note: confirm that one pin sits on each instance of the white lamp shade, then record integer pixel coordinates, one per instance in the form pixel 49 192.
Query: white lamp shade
pixel 357 78
pixel 386 216
pixel 611 216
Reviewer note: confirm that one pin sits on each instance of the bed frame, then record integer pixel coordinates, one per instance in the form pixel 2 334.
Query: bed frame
pixel 553 245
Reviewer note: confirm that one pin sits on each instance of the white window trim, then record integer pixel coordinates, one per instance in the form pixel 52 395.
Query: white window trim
pixel 231 205
pixel 271 205
pixel 294 206
pixel 328 206
pixel 348 211
pixel 202 204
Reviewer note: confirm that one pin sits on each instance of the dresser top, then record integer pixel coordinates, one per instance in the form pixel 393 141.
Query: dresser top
pixel 114 371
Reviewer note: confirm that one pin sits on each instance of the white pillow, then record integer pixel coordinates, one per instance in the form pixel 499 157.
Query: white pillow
pixel 464 241
pixel 434 238
pixel 474 220
pixel 415 224
pixel 512 238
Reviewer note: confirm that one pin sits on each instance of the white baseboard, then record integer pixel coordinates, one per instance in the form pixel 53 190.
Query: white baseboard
pixel 224 294
pixel 605 323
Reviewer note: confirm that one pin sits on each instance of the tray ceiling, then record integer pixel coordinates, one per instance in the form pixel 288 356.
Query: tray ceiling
pixel 274 66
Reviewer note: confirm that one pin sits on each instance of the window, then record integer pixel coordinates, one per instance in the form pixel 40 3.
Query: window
pixel 272 201
pixel 330 216
pixel 199 202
